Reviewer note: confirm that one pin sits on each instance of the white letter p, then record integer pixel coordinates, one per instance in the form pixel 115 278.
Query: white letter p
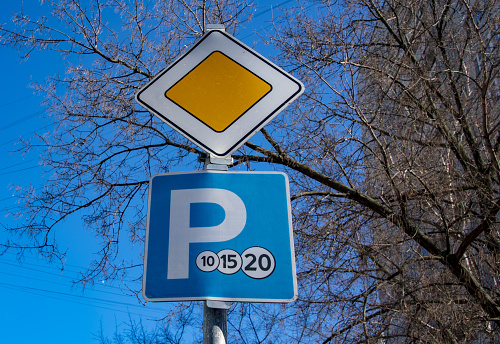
pixel 181 234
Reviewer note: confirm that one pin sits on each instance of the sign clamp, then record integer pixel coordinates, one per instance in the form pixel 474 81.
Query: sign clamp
pixel 213 162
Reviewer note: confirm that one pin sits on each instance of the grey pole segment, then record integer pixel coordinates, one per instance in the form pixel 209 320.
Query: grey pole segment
pixel 214 323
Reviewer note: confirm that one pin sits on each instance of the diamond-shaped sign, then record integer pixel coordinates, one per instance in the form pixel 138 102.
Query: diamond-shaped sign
pixel 219 93
pixel 213 82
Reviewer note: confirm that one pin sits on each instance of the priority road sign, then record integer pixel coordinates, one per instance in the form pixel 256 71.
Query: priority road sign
pixel 219 93
pixel 223 236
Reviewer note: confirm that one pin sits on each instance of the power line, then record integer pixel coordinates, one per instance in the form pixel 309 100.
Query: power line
pixel 31 278
pixel 27 133
pixel 10 208
pixel 20 170
pixel 74 295
pixel 25 118
pixel 16 101
pixel 271 7
pixel 61 295
pixel 18 164
pixel 89 298
pixel 63 284
pixel 17 264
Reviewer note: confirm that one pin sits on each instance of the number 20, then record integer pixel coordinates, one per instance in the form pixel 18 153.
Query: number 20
pixel 258 262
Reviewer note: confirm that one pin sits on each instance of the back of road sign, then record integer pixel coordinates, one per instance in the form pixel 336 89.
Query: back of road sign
pixel 219 236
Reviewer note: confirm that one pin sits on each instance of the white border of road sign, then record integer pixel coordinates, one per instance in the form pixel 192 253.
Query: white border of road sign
pixel 209 183
pixel 285 89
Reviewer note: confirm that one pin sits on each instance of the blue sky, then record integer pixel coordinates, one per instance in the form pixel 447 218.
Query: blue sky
pixel 39 301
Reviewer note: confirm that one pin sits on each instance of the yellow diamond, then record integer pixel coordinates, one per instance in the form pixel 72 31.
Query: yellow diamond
pixel 218 91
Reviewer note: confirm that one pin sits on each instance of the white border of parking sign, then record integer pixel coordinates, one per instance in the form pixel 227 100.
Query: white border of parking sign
pixel 223 236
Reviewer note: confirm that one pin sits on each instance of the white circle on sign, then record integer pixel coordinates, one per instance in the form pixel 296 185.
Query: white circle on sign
pixel 258 262
pixel 229 262
pixel 207 261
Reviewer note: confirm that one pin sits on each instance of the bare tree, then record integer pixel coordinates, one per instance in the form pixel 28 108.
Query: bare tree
pixel 134 332
pixel 105 147
pixel 392 154
pixel 401 125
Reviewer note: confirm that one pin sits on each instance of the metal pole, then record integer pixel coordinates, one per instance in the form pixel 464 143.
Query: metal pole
pixel 215 312
pixel 214 323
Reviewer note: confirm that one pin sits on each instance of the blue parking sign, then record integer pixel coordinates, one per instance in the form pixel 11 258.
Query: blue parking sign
pixel 214 235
